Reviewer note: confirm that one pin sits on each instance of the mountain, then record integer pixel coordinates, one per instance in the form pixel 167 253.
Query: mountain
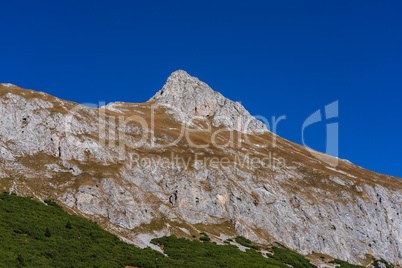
pixel 188 161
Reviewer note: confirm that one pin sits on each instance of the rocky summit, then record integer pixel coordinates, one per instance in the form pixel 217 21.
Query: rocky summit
pixel 188 161
pixel 192 99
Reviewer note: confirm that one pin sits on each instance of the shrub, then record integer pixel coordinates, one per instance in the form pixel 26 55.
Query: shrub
pixel 52 203
pixel 377 265
pixel 279 244
pixel 243 241
pixel 47 232
pixel 205 238
pixel 20 260
pixel 291 258
pixel 344 264
pixel 255 247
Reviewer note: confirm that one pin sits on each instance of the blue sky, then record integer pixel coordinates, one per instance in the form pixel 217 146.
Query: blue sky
pixel 276 57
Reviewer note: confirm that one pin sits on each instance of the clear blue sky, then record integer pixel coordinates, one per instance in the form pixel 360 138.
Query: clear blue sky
pixel 276 57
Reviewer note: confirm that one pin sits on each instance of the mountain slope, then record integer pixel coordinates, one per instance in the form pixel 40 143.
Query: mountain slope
pixel 153 169
pixel 36 235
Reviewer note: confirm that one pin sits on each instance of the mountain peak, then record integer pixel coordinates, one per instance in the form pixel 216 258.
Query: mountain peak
pixel 191 98
pixel 180 73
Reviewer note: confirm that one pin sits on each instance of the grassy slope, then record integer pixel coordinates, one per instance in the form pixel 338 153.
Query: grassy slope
pixel 37 235
pixel 23 224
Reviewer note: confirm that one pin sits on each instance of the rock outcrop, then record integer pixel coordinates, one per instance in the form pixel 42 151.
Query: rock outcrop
pixel 258 185
pixel 191 99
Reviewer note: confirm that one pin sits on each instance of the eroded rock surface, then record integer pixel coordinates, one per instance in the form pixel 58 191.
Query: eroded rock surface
pixel 190 98
pixel 50 148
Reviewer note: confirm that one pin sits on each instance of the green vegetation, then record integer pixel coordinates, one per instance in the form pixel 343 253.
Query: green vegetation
pixel 344 264
pixel 246 243
pixel 377 265
pixel 290 257
pixel 279 244
pixel 205 238
pixel 206 254
pixel 47 232
pixel 227 241
pixel 243 241
pixel 255 247
pixel 34 234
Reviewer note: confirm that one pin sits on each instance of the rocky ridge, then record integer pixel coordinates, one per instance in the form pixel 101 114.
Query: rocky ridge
pixel 51 148
pixel 189 98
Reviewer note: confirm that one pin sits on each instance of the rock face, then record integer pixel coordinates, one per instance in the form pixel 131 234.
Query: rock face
pixel 262 187
pixel 190 99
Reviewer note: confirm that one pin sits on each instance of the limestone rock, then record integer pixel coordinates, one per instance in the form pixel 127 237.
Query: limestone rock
pixel 49 151
pixel 190 98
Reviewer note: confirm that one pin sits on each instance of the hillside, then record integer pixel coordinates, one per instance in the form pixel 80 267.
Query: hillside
pixel 191 161
pixel 35 234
